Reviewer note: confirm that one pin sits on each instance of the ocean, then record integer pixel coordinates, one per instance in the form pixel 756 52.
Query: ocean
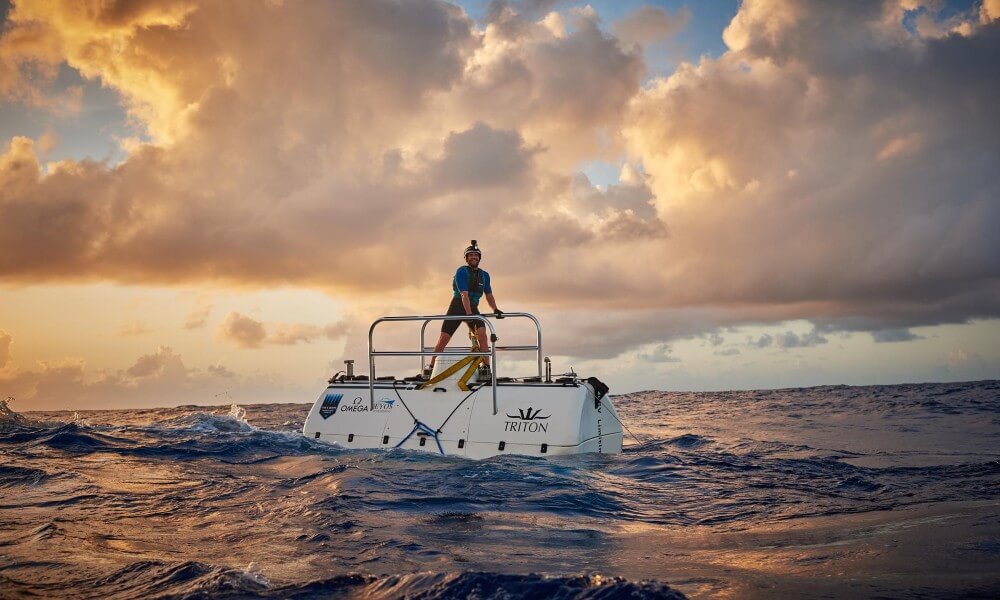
pixel 825 492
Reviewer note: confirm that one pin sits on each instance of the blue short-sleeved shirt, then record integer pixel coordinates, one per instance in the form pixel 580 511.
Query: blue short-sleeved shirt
pixel 461 284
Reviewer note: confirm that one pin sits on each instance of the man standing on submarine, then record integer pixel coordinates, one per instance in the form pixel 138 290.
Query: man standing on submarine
pixel 469 285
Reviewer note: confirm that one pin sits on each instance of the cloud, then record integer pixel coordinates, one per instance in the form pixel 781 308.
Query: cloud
pixel 659 353
pixel 888 172
pixel 482 157
pixel 833 165
pixel 247 332
pixel 895 335
pixel 149 365
pixel 5 341
pixel 791 339
pixel 221 371
pixel 727 352
pixel 634 198
pixel 786 340
pixel 242 331
pixel 337 330
pixel 292 333
pixel 198 316
pixel 989 11
pixel 157 379
pixel 648 24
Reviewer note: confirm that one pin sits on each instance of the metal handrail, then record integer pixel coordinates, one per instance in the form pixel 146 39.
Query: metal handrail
pixel 538 337
pixel 492 353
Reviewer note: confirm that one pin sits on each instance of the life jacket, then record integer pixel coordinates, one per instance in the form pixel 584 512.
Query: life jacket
pixel 477 285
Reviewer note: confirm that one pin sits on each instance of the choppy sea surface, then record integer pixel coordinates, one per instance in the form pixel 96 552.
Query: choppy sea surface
pixel 852 492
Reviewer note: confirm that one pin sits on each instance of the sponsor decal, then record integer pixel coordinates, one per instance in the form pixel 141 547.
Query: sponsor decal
pixel 527 421
pixel 356 405
pixel 384 405
pixel 360 405
pixel 330 403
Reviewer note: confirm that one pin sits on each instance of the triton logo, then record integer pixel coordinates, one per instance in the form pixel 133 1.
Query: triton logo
pixel 528 416
pixel 527 421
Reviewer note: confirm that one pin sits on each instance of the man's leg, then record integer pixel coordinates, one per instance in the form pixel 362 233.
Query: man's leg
pixel 443 340
pixel 483 344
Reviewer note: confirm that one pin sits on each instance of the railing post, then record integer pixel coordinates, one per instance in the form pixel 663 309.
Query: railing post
pixel 493 372
pixel 423 330
pixel 371 365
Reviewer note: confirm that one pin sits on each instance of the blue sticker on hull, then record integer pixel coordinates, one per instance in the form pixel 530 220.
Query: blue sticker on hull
pixel 330 403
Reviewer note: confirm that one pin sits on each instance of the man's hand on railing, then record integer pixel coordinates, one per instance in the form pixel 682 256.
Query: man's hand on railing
pixel 498 313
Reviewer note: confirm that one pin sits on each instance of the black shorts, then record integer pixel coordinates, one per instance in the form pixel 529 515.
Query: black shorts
pixel 457 308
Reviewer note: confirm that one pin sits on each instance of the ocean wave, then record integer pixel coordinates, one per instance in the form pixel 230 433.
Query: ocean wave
pixel 193 580
pixel 12 476
pixel 205 422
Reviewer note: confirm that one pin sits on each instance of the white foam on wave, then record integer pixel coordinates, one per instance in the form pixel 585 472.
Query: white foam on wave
pixel 238 413
pixel 253 573
pixel 234 421
pixel 8 417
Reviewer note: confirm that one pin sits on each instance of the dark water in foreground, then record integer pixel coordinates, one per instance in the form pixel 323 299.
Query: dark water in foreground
pixel 887 491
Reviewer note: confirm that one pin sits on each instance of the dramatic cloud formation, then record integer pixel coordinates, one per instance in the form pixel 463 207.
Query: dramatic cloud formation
pixel 833 163
pixel 838 164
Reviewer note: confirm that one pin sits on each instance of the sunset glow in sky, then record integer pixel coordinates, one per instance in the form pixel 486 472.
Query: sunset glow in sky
pixel 211 200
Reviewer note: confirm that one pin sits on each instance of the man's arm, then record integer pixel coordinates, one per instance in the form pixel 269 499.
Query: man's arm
pixel 492 301
pixel 467 303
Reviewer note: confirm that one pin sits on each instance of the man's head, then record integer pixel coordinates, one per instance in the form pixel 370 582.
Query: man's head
pixel 473 254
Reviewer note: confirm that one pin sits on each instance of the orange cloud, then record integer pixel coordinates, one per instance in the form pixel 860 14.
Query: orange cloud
pixel 247 332
pixel 242 331
pixel 148 365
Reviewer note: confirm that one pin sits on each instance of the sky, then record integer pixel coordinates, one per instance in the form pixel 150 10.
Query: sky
pixel 211 201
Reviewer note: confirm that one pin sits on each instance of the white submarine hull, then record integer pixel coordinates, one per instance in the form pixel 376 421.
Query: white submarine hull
pixel 532 419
